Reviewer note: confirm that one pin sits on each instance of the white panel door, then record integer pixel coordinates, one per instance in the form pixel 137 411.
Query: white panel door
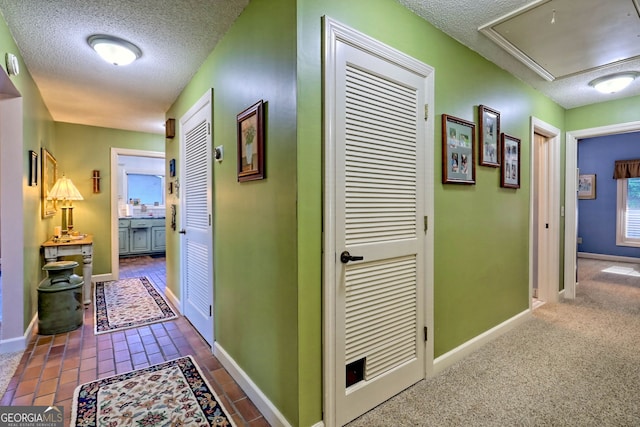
pixel 196 218
pixel 379 216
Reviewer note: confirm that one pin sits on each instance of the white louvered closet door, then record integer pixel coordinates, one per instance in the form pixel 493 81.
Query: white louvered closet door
pixel 196 220
pixel 380 208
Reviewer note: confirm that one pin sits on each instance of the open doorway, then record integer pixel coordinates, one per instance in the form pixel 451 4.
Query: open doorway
pixel 571 197
pixel 545 213
pixel 138 209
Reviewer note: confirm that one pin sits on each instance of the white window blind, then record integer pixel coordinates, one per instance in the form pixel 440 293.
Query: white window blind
pixel 628 218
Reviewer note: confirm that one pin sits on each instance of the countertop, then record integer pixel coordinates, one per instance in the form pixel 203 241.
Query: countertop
pixel 141 217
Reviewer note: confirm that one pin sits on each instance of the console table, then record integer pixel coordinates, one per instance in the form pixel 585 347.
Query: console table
pixel 81 245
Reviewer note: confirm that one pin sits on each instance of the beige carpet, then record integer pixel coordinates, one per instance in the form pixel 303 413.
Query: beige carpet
pixel 8 364
pixel 575 363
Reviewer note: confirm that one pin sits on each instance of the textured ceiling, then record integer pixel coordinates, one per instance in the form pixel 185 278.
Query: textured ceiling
pixel 568 43
pixel 176 37
pixel 79 87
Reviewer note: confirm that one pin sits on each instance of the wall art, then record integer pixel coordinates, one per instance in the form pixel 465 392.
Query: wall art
pixel 458 140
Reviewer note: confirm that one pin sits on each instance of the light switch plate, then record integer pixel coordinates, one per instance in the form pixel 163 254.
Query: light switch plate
pixel 219 153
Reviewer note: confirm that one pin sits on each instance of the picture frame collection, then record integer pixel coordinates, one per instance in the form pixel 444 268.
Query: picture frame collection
pixel 495 149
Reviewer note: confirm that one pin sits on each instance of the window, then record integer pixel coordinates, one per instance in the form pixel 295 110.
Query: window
pixel 628 218
pixel 145 188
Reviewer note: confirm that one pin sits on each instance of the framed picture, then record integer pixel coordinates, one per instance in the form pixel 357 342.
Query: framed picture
pixel 458 140
pixel 510 162
pixel 172 167
pixel 251 143
pixel 587 187
pixel 489 137
pixel 49 169
pixel 33 168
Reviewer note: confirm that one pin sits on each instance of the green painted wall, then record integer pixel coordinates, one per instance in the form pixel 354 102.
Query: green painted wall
pixel 255 277
pixel 37 132
pixel 603 114
pixel 81 149
pixel 481 231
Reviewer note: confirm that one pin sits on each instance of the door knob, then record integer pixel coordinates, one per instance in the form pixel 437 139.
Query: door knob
pixel 183 231
pixel 345 257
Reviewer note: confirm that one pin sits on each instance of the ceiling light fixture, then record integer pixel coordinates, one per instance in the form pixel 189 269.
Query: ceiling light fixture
pixel 114 50
pixel 614 82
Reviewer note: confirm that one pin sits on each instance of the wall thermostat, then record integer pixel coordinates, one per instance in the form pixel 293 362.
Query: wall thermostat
pixel 13 69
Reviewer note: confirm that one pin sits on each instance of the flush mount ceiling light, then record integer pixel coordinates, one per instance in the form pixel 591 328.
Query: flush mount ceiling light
pixel 114 50
pixel 614 82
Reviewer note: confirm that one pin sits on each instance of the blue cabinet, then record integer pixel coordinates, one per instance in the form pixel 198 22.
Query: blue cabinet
pixel 141 236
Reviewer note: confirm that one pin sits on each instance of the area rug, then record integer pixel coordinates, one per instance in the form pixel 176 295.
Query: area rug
pixel 129 303
pixel 173 393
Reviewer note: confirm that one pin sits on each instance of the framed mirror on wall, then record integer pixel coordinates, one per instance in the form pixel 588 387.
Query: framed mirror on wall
pixel 49 177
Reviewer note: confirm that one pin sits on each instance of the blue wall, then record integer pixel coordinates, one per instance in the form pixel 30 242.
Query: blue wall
pixel 597 218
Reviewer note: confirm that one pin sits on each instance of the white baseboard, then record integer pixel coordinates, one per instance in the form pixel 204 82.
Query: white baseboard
pixel 318 424
pixel 264 405
pixel 464 350
pixel 172 299
pixel 101 278
pixel 609 257
pixel 12 345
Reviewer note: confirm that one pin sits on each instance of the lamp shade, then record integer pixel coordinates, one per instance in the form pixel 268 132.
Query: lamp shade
pixel 64 189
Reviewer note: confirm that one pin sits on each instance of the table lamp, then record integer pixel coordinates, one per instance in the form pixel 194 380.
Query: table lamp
pixel 64 190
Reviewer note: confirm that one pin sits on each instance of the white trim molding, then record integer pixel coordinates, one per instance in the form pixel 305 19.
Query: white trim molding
pixel 457 354
pixel 603 257
pixel 173 299
pixel 253 392
pixel 551 281
pixel 12 345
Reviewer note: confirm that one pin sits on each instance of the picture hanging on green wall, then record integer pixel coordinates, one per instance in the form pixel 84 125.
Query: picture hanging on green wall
pixel 489 136
pixel 49 174
pixel 251 143
pixel 510 159
pixel 33 168
pixel 458 140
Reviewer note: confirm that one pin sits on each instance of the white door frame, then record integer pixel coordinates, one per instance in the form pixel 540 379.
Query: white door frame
pixel 549 287
pixel 571 187
pixel 115 152
pixel 204 101
pixel 335 32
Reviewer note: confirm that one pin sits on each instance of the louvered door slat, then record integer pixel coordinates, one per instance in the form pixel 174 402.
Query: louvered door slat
pixel 380 206
pixel 196 185
pixel 197 278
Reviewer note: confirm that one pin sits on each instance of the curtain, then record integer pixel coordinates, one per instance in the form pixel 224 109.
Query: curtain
pixel 626 169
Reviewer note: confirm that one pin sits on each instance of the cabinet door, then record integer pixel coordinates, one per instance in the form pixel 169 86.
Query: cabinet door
pixel 123 241
pixel 158 239
pixel 140 240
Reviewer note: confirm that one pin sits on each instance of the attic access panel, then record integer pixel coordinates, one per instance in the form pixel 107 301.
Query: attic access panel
pixel 559 38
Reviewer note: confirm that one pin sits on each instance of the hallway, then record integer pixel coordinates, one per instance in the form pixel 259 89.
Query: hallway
pixel 53 366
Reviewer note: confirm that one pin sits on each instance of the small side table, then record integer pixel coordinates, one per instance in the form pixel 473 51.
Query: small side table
pixel 54 249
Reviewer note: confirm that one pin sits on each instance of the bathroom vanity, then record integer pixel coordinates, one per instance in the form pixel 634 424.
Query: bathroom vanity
pixel 141 236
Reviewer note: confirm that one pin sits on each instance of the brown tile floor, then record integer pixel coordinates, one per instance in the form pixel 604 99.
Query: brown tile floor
pixel 53 366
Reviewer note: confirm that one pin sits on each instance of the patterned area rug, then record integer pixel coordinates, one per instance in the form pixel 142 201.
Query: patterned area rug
pixel 129 303
pixel 173 393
